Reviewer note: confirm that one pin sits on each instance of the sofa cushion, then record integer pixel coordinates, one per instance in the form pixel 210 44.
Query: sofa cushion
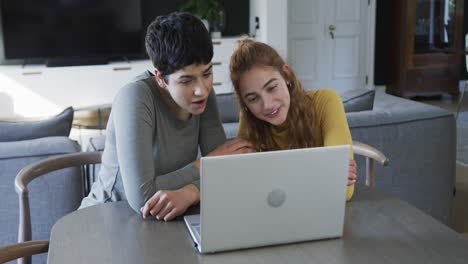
pixel 59 125
pixel 356 100
pixel 230 129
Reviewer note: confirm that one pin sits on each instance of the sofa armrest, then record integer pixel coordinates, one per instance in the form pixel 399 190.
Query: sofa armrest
pixel 46 146
pixel 420 140
pixel 47 193
pixel 390 110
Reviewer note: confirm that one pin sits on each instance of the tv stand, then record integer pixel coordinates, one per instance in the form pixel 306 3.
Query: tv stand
pixel 59 62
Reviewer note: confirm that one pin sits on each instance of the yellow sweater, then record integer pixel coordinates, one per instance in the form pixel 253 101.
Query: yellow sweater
pixel 330 127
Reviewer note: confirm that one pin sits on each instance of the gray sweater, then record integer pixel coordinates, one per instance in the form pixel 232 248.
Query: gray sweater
pixel 148 149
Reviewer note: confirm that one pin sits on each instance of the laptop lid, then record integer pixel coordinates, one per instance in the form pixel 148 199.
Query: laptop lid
pixel 270 198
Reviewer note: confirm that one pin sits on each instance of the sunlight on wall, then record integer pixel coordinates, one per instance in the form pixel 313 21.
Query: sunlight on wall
pixel 19 101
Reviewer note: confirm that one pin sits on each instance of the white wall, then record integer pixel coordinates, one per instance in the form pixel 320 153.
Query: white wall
pixel 273 16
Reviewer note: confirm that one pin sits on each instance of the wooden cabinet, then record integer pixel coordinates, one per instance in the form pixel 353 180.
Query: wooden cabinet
pixel 425 47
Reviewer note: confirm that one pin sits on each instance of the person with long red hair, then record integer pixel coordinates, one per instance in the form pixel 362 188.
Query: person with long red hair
pixel 277 113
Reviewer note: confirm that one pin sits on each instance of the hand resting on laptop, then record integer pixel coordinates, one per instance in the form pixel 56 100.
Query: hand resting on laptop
pixel 166 205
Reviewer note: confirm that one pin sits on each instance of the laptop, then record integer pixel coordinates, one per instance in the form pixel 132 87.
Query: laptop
pixel 269 198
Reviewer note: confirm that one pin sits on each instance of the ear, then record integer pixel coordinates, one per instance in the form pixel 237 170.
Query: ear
pixel 288 72
pixel 159 77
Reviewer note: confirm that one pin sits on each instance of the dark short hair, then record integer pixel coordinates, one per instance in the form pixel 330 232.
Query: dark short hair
pixel 177 40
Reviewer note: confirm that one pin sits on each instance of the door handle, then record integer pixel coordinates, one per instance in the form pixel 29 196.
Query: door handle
pixel 332 28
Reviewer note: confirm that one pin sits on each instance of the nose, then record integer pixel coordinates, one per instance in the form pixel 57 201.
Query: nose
pixel 267 102
pixel 201 89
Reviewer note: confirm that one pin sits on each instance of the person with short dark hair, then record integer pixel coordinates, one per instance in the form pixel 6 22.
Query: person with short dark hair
pixel 159 121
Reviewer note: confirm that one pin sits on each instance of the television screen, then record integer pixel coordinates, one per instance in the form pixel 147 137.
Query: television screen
pixel 49 29
pixel 236 13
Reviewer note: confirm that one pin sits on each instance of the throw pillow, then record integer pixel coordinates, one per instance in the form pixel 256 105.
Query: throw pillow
pixel 357 100
pixel 59 125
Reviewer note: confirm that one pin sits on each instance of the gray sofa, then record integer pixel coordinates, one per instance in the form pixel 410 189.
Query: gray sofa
pixel 52 196
pixel 418 139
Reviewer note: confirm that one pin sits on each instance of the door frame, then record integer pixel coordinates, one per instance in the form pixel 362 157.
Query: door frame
pixel 369 40
pixel 370 62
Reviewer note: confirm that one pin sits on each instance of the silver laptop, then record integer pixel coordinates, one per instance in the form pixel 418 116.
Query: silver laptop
pixel 269 198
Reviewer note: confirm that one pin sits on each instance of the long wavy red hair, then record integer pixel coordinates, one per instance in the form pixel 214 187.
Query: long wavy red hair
pixel 250 53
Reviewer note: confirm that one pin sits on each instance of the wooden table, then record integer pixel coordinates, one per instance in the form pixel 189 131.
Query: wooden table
pixel 378 228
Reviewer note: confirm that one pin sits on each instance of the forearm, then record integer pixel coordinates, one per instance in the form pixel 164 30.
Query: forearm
pixel 139 188
pixel 192 192
pixel 177 179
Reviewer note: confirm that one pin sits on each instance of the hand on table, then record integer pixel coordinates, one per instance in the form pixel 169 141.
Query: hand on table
pixel 352 172
pixel 166 205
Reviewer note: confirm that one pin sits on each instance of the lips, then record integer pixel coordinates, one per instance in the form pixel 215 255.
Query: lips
pixel 273 114
pixel 200 103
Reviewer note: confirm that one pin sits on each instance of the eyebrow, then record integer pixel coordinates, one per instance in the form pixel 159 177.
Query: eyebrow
pixel 208 69
pixel 191 76
pixel 264 86
pixel 270 81
pixel 185 76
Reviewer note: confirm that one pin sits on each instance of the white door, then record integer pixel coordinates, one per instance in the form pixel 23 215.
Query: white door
pixel 327 42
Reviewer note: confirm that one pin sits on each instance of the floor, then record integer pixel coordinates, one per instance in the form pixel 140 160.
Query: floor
pixel 460 203
pixel 460 208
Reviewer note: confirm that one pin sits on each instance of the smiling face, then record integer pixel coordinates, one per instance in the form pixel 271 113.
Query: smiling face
pixel 265 93
pixel 188 88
